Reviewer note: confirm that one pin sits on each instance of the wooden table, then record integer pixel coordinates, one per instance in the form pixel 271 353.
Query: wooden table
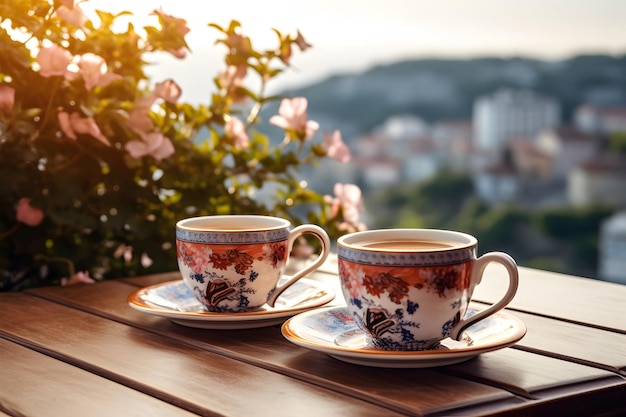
pixel 82 351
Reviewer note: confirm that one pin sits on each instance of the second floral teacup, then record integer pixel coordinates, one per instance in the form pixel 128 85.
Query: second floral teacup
pixel 408 289
pixel 234 263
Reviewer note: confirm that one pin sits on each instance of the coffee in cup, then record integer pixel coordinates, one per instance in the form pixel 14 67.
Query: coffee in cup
pixel 408 289
pixel 234 263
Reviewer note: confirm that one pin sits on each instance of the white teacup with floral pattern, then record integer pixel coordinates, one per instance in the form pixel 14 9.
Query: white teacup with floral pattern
pixel 234 263
pixel 408 289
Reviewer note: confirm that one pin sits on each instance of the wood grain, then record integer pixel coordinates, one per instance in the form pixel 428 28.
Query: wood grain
pixel 178 373
pixel 580 300
pixel 521 373
pixel 585 345
pixel 34 385
pixel 267 349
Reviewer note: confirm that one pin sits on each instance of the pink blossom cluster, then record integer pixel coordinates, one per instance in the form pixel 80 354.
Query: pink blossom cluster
pixel 90 73
pixel 92 70
pixel 55 60
pixel 292 117
pixel 349 200
pixel 27 214
pixel 151 141
pixel 7 99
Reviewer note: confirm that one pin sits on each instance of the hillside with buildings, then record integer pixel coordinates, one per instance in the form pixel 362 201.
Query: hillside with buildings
pixel 528 133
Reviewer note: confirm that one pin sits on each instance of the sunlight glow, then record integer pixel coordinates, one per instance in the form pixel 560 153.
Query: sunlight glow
pixel 384 32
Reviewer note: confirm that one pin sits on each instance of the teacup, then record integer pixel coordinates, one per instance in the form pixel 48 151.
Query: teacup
pixel 408 289
pixel 235 263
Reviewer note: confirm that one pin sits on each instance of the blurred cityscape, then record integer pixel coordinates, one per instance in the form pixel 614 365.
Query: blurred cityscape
pixel 545 141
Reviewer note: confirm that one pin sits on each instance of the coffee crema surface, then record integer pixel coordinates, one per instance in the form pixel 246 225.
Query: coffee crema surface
pixel 225 229
pixel 408 245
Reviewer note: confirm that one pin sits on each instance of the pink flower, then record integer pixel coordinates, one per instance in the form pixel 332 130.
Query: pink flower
pixel 73 124
pixel 293 118
pixel 232 77
pixel 66 125
pixel 139 120
pixel 67 3
pixel 7 98
pixel 302 249
pixel 168 90
pixel 146 261
pixel 335 148
pixel 28 214
pixel 72 15
pixel 53 60
pixel 125 252
pixel 231 81
pixel 349 200
pixel 153 144
pixel 81 277
pixel 236 130
pixel 93 69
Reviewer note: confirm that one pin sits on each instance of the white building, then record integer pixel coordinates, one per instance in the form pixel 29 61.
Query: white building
pixel 496 184
pixel 403 127
pixel 612 256
pixel 379 173
pixel 567 148
pixel 601 180
pixel 421 161
pixel 600 119
pixel 505 114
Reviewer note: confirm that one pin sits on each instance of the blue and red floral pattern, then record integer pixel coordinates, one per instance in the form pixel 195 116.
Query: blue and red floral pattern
pixel 387 302
pixel 212 268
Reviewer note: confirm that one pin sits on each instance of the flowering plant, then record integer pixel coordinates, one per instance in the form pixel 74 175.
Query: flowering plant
pixel 98 162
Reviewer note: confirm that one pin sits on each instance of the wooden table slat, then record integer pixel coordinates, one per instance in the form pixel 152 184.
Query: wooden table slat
pixel 541 373
pixel 571 362
pixel 568 298
pixel 538 374
pixel 196 380
pixel 573 342
pixel 268 349
pixel 34 385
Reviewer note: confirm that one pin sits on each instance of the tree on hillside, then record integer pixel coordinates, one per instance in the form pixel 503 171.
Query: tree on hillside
pixel 431 203
pixel 577 230
pixel 570 222
pixel 440 197
pixel 497 227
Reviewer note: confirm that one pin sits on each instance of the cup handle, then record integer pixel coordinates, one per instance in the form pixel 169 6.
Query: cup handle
pixel 325 251
pixel 479 267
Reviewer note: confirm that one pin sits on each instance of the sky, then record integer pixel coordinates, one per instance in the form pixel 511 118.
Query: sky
pixel 351 36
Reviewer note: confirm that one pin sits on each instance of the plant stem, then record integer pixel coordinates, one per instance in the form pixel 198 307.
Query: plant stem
pixel 10 231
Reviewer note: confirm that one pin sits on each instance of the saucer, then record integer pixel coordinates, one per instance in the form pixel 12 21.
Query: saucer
pixel 175 301
pixel 332 330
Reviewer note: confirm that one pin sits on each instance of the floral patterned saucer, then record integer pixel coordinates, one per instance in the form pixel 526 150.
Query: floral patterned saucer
pixel 332 330
pixel 175 301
